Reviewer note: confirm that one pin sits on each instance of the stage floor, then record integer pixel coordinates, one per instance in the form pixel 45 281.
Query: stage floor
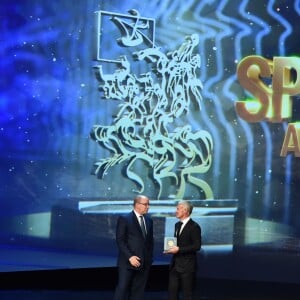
pixel 99 283
pixel 218 294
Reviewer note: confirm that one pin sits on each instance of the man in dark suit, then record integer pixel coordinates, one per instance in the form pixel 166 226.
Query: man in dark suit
pixel 134 237
pixel 183 266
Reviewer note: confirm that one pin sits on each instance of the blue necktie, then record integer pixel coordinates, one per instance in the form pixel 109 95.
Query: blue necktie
pixel 142 222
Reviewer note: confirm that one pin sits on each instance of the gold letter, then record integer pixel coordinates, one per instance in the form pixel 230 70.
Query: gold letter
pixel 250 72
pixel 284 87
pixel 291 140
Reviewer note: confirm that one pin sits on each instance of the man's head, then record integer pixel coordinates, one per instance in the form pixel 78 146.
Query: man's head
pixel 141 204
pixel 184 209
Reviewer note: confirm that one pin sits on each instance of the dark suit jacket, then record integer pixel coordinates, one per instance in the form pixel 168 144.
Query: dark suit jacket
pixel 189 242
pixel 130 240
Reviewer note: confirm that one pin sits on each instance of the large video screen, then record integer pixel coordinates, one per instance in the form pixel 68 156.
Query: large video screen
pixel 104 100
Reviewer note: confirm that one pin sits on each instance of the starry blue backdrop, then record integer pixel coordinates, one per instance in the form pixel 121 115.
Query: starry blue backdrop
pixel 49 101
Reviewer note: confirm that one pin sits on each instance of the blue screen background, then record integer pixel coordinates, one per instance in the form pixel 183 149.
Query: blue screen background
pixel 50 99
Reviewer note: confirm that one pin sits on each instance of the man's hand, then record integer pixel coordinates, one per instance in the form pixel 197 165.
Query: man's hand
pixel 172 250
pixel 135 261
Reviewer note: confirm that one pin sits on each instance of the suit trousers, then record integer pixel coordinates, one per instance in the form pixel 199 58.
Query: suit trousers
pixel 131 283
pixel 181 282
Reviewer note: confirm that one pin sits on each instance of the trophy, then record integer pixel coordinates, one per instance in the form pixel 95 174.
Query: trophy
pixel 169 242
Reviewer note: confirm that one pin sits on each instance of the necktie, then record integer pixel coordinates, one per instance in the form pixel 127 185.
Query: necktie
pixel 178 228
pixel 142 223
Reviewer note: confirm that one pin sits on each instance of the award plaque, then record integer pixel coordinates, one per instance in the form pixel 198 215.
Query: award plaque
pixel 169 242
